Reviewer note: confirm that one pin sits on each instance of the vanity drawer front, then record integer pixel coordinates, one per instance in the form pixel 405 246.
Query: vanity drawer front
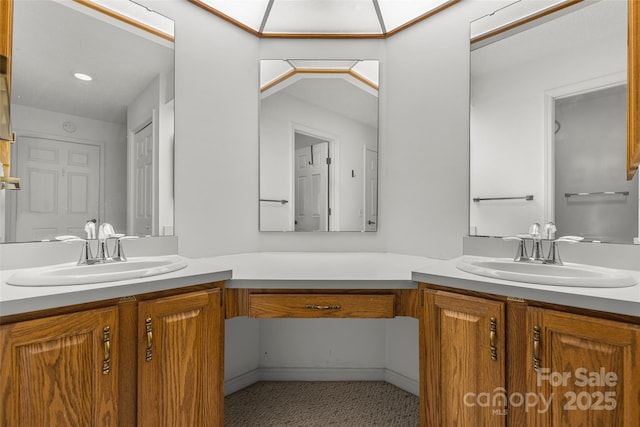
pixel 320 306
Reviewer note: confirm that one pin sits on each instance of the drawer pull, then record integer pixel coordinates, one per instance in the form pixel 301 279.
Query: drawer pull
pixel 149 330
pixel 493 328
pixel 106 340
pixel 322 307
pixel 537 362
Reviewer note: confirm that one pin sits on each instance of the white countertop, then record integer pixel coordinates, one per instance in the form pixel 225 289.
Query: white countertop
pixel 317 270
pixel 614 300
pixel 22 299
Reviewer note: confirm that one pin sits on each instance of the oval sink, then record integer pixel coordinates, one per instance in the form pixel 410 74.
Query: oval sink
pixel 73 274
pixel 569 274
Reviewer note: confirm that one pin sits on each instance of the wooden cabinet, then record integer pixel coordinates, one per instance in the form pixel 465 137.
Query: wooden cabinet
pixel 149 360
pixel 180 364
pixel 61 370
pixel 546 367
pixel 321 306
pixel 583 372
pixel 462 360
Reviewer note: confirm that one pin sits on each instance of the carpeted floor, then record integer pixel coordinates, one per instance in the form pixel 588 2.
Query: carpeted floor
pixel 322 403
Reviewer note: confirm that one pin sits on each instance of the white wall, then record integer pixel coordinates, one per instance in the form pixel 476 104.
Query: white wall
pixel 423 160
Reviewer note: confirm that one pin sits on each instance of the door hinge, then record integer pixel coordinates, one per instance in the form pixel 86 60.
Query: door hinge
pixel 329 211
pixel 328 160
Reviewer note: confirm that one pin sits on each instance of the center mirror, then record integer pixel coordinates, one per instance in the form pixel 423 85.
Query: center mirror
pixel 318 145
pixel 548 124
pixel 97 145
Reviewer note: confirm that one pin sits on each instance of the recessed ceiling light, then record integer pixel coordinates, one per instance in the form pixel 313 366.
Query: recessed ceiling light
pixel 82 76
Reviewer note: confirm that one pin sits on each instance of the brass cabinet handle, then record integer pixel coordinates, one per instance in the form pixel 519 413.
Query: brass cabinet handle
pixel 149 331
pixel 493 328
pixel 106 341
pixel 537 362
pixel 322 307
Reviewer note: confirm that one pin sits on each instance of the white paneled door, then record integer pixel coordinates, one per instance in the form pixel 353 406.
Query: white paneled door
pixel 143 182
pixel 60 187
pixel 311 188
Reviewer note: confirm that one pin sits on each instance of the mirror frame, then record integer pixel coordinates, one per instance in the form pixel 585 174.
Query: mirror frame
pixel 633 72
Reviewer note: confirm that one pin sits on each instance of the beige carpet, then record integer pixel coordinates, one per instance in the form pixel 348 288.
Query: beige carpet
pixel 323 403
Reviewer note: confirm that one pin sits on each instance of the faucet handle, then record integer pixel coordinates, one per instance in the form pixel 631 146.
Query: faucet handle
pixel 118 253
pixel 554 254
pixel 85 252
pixel 570 239
pixel 521 253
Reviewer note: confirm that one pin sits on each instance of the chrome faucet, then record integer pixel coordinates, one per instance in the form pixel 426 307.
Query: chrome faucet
pixel 105 232
pixel 553 257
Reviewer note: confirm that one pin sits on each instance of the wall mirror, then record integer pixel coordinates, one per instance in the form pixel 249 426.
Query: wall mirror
pixel 548 125
pixel 99 148
pixel 318 145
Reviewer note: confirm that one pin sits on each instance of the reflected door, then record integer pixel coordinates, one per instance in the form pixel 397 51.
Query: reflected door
pixel 60 184
pixel 311 187
pixel 143 182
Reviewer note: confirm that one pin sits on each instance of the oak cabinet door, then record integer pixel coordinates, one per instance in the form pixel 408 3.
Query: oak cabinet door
pixel 180 360
pixel 463 361
pixel 584 371
pixel 60 370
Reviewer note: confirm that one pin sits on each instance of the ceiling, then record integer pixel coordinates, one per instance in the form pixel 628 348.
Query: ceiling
pixel 601 22
pixel 324 18
pixel 122 59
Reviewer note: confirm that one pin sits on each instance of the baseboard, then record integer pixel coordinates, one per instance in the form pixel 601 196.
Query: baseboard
pixel 241 381
pixel 321 374
pixel 407 384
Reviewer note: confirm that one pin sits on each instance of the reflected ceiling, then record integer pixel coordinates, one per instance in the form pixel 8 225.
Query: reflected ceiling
pixel 324 18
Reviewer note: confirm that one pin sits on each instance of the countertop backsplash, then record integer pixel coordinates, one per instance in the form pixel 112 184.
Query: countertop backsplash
pixel 612 255
pixel 37 254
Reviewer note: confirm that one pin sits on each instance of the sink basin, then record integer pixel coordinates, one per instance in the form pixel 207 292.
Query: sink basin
pixel 569 274
pixel 72 274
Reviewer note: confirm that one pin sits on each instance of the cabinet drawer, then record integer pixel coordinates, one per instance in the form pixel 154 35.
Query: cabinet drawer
pixel 320 306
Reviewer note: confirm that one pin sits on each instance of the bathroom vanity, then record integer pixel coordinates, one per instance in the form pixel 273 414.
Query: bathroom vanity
pixel 492 352
pixel 149 350
pixel 496 352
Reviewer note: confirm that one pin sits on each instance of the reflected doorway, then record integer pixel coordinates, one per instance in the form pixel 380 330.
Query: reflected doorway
pixel 312 163
pixel 591 190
